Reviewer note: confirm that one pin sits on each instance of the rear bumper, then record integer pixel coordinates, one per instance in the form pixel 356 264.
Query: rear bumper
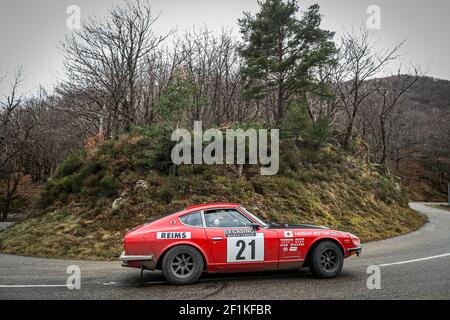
pixel 356 250
pixel 147 262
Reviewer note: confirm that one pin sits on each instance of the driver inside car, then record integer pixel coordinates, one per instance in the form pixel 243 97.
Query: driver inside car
pixel 219 219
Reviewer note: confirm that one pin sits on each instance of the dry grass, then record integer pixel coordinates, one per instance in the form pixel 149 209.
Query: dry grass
pixel 341 192
pixel 423 184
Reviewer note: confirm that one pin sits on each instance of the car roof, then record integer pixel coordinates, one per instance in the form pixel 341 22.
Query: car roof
pixel 212 206
pixel 199 207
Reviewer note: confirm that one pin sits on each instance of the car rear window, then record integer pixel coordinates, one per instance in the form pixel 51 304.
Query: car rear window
pixel 193 219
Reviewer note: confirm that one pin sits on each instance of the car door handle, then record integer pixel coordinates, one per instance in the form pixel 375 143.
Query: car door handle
pixel 217 238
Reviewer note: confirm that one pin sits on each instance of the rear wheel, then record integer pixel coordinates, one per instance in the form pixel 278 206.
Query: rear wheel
pixel 182 265
pixel 327 260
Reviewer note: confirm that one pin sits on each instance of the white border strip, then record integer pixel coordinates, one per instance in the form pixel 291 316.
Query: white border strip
pixel 415 260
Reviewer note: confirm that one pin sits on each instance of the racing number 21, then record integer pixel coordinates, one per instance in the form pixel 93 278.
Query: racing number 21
pixel 242 245
pixel 245 249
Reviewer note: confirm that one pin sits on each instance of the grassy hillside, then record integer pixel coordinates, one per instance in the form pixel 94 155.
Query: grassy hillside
pixel 422 182
pixel 424 168
pixel 97 195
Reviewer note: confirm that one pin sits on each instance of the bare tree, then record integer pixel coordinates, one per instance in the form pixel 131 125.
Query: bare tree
pixel 213 63
pixel 8 104
pixel 359 62
pixel 406 139
pixel 109 56
pixel 383 112
pixel 16 126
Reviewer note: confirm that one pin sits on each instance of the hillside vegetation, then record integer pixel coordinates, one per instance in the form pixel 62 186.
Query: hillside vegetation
pixel 97 195
pixel 425 170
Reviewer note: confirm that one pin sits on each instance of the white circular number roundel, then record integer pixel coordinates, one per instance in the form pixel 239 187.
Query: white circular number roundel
pixel 245 249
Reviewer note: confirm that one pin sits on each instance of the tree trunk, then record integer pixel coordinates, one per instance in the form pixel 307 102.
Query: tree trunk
pixel 10 191
pixel 348 134
pixel 383 160
pixel 383 143
pixel 280 102
pixel 116 123
pixel 6 209
pixel 280 105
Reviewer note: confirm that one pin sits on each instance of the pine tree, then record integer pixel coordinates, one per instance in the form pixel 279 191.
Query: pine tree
pixel 177 104
pixel 282 52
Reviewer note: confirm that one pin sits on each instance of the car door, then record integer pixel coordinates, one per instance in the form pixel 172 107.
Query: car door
pixel 292 250
pixel 236 245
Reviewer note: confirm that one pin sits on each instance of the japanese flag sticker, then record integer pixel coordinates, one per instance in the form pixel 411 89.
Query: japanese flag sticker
pixel 288 234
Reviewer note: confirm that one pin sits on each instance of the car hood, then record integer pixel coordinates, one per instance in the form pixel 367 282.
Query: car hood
pixel 273 225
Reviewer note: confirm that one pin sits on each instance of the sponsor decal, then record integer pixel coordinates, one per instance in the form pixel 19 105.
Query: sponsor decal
pixel 291 245
pixel 173 235
pixel 240 233
pixel 288 234
pixel 300 242
pixel 319 233
pixel 245 248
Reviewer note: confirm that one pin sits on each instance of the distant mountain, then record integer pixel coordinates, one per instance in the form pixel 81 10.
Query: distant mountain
pixel 430 93
pixel 426 172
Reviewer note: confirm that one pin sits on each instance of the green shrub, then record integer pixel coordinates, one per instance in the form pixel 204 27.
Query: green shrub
pixel 316 136
pixel 108 186
pixel 170 188
pixel 291 157
pixel 387 191
pixel 165 194
pixel 54 189
pixel 106 147
pixel 69 166
pixel 292 184
pixel 64 185
pixel 157 147
pixel 191 169
pixel 86 176
pixel 91 168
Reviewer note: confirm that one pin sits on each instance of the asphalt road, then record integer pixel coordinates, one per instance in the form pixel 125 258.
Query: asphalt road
pixel 427 276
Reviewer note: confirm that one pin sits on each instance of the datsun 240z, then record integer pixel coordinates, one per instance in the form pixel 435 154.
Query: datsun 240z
pixel 225 237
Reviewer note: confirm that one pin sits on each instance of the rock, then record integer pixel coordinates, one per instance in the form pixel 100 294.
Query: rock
pixel 117 203
pixel 4 225
pixel 140 185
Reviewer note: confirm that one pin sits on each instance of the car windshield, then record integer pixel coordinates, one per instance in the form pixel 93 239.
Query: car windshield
pixel 256 218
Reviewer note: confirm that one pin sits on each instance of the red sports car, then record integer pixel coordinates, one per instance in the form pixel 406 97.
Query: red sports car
pixel 226 237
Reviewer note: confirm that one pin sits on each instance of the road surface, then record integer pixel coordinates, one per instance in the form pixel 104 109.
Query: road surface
pixel 413 266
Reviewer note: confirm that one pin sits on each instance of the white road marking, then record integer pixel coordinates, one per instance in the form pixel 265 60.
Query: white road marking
pixel 35 286
pixel 415 260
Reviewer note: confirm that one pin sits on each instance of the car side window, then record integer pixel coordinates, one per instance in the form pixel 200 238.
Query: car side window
pixel 192 219
pixel 225 218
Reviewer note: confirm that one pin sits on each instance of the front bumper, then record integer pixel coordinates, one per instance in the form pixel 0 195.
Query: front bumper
pixel 138 261
pixel 357 250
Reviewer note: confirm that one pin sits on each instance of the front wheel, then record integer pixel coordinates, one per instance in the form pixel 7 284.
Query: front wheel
pixel 327 260
pixel 182 265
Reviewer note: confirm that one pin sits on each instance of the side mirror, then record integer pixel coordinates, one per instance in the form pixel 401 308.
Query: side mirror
pixel 256 226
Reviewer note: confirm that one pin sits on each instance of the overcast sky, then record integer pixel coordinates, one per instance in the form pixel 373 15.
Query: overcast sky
pixel 31 30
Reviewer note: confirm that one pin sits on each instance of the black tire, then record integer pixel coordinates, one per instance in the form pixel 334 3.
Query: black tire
pixel 327 260
pixel 182 265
